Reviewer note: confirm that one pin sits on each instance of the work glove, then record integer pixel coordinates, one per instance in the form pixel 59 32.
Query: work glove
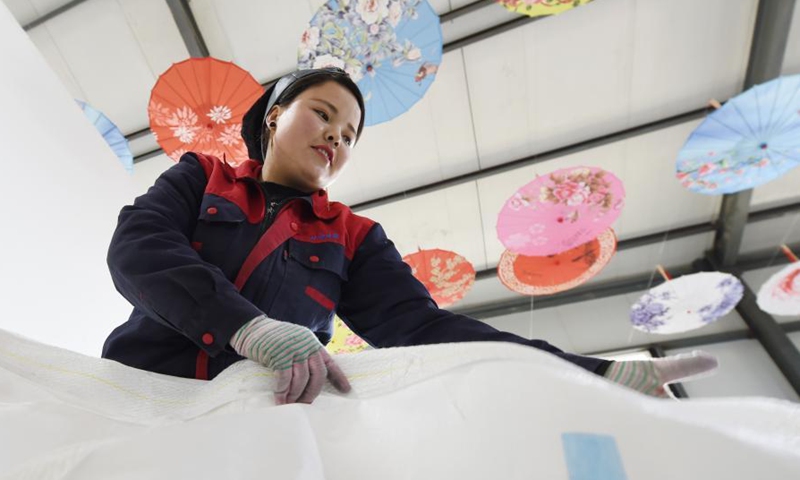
pixel 294 353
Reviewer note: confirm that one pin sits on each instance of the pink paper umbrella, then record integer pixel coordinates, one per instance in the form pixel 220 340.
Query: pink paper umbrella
pixel 560 211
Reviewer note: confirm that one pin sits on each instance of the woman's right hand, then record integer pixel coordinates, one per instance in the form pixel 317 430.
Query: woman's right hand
pixel 296 355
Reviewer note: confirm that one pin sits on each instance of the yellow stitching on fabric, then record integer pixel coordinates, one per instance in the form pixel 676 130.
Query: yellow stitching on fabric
pixel 215 388
pixel 88 376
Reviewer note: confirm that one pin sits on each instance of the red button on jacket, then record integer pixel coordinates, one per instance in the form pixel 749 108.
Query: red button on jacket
pixel 208 339
pixel 212 210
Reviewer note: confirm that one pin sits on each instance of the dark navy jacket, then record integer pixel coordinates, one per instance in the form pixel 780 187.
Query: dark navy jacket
pixel 195 258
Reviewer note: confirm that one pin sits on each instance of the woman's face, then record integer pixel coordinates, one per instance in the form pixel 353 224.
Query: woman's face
pixel 312 138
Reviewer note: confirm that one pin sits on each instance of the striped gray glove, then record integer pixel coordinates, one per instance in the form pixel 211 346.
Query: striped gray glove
pixel 293 351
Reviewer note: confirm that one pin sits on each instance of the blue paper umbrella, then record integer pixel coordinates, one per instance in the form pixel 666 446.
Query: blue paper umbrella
pixel 111 134
pixel 391 49
pixel 752 139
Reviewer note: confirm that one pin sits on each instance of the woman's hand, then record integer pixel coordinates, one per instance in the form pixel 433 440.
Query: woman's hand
pixel 293 351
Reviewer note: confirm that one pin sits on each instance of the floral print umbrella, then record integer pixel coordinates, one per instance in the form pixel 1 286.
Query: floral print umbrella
pixel 780 295
pixel 538 8
pixel 752 139
pixel 560 211
pixel 551 274
pixel 197 106
pixel 344 340
pixel 447 275
pixel 391 49
pixel 686 303
pixel 111 134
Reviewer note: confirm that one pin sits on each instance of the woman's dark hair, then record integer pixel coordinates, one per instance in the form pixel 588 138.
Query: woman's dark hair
pixel 283 92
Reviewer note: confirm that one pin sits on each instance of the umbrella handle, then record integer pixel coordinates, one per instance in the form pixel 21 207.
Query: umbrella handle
pixel 664 274
pixel 789 254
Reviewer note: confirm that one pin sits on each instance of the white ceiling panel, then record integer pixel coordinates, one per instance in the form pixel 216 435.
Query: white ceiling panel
pixel 756 278
pixel 682 58
pixel 785 189
pixel 440 6
pixel 476 21
pixel 260 36
pixel 655 201
pixel 143 144
pixel 214 35
pixel 460 3
pixel 770 234
pixel 40 36
pixel 446 219
pixel 152 24
pixel 600 68
pixel 791 59
pixel 527 84
pixel 120 84
pixel 26 11
pixel 431 142
pixel 22 10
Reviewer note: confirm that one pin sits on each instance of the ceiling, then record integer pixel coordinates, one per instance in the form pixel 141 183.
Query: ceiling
pixel 616 84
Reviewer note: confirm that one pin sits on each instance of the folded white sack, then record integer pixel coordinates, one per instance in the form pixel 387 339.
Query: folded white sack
pixel 476 410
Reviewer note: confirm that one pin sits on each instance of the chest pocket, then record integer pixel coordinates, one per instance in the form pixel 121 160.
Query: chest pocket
pixel 221 232
pixel 313 283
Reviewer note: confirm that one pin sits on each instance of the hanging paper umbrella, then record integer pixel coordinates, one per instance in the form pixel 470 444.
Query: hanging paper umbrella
pixel 447 275
pixel 752 139
pixel 392 50
pixel 551 274
pixel 344 340
pixel 538 8
pixel 197 106
pixel 111 134
pixel 560 211
pixel 780 295
pixel 686 303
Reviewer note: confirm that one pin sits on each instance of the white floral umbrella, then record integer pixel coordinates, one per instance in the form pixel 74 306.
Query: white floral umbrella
pixel 686 303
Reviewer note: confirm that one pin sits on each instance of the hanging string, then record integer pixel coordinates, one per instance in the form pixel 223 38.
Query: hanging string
pixel 659 257
pixel 531 315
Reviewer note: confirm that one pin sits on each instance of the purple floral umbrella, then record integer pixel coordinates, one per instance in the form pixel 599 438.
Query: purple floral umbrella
pixel 686 303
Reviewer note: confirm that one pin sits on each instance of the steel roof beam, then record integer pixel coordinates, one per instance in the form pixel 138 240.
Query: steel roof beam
pixel 187 26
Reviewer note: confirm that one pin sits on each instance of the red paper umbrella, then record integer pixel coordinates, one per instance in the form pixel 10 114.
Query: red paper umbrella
pixel 198 104
pixel 780 295
pixel 556 273
pixel 447 275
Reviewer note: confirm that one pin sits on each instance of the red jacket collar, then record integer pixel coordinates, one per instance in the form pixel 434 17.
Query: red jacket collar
pixel 319 199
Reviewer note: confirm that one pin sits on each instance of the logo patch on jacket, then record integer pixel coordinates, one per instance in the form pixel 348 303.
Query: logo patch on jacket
pixel 324 236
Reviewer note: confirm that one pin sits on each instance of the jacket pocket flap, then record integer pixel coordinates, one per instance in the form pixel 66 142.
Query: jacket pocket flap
pixel 320 256
pixel 218 209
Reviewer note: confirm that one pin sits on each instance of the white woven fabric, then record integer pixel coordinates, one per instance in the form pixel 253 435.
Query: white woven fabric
pixel 459 411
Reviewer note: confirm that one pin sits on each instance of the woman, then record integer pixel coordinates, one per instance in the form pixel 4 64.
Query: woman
pixel 225 263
